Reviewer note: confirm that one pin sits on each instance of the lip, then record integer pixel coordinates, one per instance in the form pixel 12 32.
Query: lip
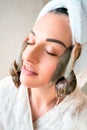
pixel 28 70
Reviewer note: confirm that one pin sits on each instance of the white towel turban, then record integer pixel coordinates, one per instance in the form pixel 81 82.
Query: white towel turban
pixel 77 10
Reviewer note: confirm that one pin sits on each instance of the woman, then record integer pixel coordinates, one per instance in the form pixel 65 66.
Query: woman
pixel 34 105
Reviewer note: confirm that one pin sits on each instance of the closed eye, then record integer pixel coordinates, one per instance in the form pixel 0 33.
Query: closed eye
pixel 50 53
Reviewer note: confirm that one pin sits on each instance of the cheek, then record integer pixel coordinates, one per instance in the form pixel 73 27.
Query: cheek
pixel 24 54
pixel 48 68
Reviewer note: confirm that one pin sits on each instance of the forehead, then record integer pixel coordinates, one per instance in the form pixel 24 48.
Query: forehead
pixel 54 26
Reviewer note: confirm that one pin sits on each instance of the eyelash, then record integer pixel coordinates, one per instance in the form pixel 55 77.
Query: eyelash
pixel 28 43
pixel 49 53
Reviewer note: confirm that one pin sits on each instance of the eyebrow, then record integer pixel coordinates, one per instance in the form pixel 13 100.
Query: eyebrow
pixel 56 41
pixel 51 40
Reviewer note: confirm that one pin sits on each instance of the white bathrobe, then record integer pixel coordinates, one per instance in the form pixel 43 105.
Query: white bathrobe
pixel 15 111
pixel 71 113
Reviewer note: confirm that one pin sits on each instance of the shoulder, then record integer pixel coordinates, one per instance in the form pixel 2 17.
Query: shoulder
pixel 80 111
pixel 82 114
pixel 6 82
pixel 75 111
pixel 13 104
pixel 6 86
pixel 7 91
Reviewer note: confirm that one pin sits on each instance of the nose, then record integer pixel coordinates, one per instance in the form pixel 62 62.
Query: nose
pixel 31 54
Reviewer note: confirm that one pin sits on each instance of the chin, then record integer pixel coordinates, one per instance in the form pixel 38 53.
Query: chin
pixel 32 83
pixel 26 81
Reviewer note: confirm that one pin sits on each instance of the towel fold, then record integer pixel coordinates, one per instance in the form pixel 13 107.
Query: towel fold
pixel 77 10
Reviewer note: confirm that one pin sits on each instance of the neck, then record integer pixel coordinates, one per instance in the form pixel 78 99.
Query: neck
pixel 43 96
pixel 42 99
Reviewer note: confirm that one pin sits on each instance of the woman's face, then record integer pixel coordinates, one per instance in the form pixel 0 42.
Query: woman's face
pixel 46 43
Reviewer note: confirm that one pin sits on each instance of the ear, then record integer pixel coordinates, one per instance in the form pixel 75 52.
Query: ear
pixel 82 79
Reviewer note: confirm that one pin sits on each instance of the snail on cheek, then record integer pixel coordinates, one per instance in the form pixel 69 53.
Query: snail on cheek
pixel 15 67
pixel 64 77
